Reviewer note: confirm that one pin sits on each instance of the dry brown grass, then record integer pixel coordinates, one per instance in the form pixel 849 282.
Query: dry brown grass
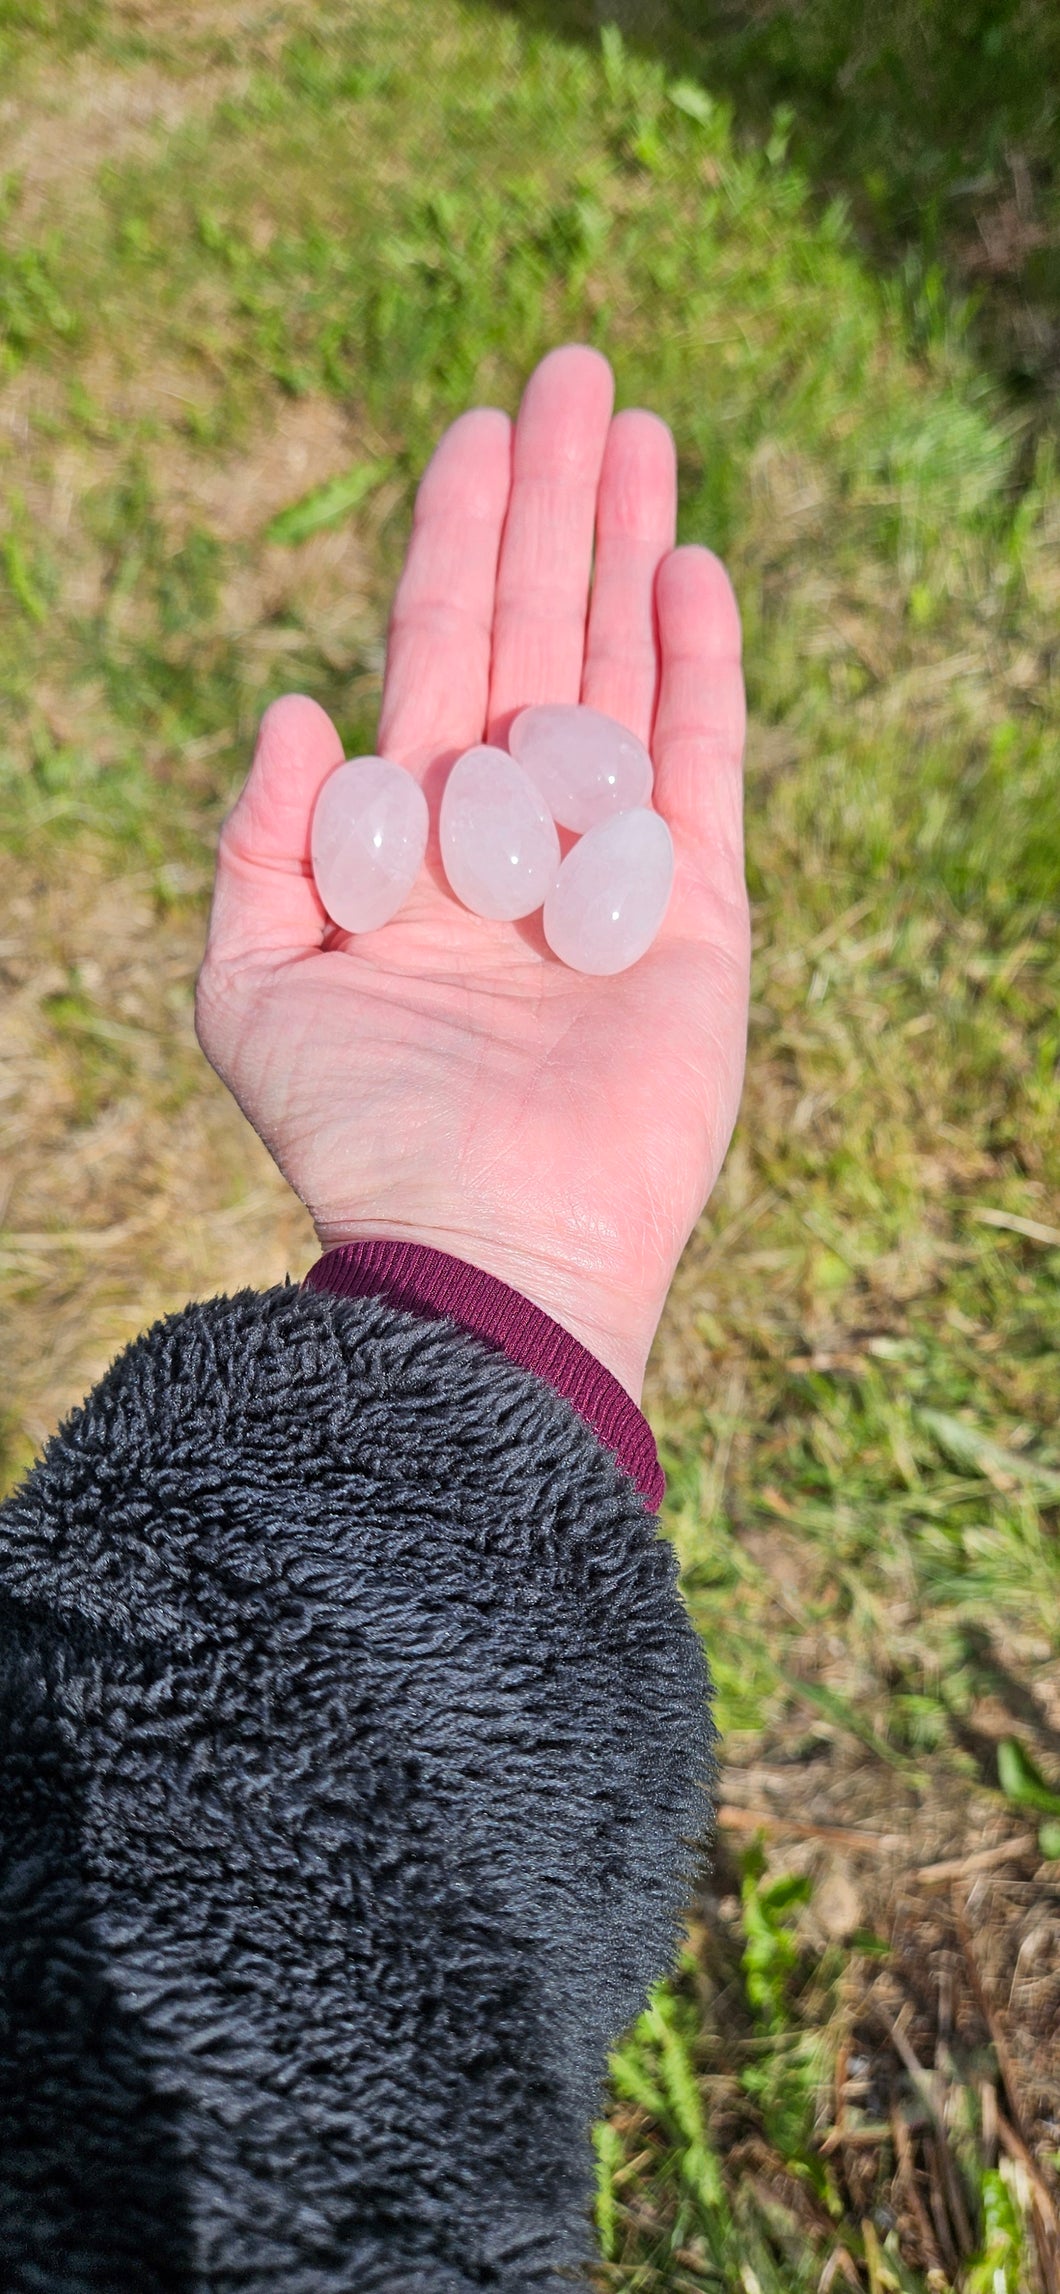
pixel 131 1181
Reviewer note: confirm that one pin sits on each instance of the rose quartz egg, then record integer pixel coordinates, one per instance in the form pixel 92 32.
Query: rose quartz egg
pixel 499 844
pixel 587 766
pixel 368 838
pixel 611 893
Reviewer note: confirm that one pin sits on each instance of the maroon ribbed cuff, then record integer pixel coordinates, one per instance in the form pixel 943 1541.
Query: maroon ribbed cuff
pixel 430 1282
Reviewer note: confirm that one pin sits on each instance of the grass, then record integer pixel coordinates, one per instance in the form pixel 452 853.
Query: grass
pixel 233 321
pixel 937 127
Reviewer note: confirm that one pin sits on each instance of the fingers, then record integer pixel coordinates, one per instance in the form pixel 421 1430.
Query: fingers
pixel 701 717
pixel 438 652
pixel 546 554
pixel 439 692
pixel 265 901
pixel 635 523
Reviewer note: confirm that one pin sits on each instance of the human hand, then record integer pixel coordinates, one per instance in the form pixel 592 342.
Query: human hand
pixel 446 1080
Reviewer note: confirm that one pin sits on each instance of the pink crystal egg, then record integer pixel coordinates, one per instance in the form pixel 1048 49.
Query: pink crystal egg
pixel 612 893
pixel 368 838
pixel 587 766
pixel 499 844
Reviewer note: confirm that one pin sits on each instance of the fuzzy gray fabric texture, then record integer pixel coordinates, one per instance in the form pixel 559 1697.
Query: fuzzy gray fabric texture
pixel 355 1747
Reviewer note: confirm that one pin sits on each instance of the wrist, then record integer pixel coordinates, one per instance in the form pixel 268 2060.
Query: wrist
pixel 558 1292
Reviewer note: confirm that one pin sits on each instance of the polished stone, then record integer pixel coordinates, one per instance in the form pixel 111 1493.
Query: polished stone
pixel 587 766
pixel 612 893
pixel 368 838
pixel 499 844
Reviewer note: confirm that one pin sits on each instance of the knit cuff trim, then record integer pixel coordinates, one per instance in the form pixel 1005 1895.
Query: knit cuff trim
pixel 431 1282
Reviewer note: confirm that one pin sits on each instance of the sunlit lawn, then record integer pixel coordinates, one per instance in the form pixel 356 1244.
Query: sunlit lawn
pixel 247 271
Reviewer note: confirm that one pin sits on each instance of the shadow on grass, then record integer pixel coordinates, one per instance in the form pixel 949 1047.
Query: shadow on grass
pixel 938 124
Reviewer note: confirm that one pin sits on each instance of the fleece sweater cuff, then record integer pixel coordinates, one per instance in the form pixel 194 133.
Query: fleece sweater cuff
pixel 430 1282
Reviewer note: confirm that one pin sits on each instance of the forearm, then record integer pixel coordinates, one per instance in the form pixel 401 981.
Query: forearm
pixel 352 1739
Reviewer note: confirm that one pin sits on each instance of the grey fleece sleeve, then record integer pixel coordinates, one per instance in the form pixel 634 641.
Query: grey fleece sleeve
pixel 354 1743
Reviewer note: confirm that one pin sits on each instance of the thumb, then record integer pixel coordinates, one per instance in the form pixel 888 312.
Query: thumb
pixel 265 903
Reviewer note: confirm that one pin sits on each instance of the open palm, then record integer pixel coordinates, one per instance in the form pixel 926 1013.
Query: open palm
pixel 446 1079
